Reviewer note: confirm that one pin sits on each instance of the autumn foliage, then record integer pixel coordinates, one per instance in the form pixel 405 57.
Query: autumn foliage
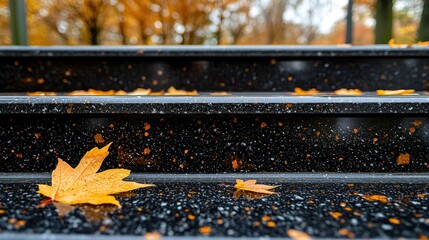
pixel 185 22
pixel 84 185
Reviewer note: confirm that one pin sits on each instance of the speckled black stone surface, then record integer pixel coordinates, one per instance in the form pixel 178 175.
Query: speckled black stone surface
pixel 180 209
pixel 237 103
pixel 260 128
pixel 213 69
pixel 211 143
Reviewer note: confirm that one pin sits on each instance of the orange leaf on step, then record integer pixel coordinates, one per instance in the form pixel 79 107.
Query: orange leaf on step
pixel 348 92
pixel 84 185
pixel 251 186
pixel 172 91
pixel 395 92
pixel 301 92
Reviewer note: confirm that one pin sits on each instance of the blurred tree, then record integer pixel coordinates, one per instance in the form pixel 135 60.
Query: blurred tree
pixel 119 8
pixel 406 16
pixel 312 14
pixel 232 17
pixel 74 21
pixel 93 15
pixel 423 32
pixel 193 20
pixel 275 26
pixel 4 23
pixel 46 17
pixel 143 13
pixel 383 21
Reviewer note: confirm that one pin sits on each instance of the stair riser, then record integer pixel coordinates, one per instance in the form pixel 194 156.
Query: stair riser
pixel 211 143
pixel 218 74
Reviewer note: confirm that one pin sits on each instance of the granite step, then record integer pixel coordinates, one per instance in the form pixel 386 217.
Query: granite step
pixel 212 134
pixel 183 206
pixel 327 153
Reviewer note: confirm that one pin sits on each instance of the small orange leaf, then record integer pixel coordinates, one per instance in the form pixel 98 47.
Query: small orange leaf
pixel 393 44
pixel 348 92
pixel 91 92
pixel 374 198
pixel 235 164
pixel 138 92
pixel 395 92
pixel 403 159
pixel 84 185
pixel 152 236
pixel 301 92
pixel 335 215
pixel 220 94
pixel 394 221
pixel 251 186
pixel 41 94
pixel 172 91
pixel 416 123
pixel 206 230
pixel 295 234
pixel 420 43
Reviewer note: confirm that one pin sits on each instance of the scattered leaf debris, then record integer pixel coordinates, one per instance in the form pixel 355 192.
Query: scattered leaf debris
pixel 375 198
pixel 220 94
pixel 403 159
pixel 271 224
pixel 206 230
pixel 421 195
pixel 346 232
pixel 335 215
pixel 98 138
pixel 392 43
pixel 301 92
pixel 394 221
pixel 84 185
pixel 348 92
pixel 152 236
pixel 251 186
pixel 395 92
pixel 298 235
pixel 416 123
pixel 173 91
pixel 235 164
pixel 16 223
pixel 41 94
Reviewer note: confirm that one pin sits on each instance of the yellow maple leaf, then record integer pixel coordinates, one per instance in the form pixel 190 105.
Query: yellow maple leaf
pixel 84 185
pixel 251 186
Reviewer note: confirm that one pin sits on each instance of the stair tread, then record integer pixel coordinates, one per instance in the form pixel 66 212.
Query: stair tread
pixel 181 207
pixel 240 103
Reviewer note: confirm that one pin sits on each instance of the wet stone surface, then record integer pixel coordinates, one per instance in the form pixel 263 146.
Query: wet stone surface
pixel 214 70
pixel 181 209
pixel 218 143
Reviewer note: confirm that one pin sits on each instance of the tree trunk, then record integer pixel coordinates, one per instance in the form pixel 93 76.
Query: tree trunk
pixel 423 32
pixel 383 24
pixel 93 36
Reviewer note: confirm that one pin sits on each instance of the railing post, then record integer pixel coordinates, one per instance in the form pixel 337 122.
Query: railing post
pixel 18 23
pixel 349 25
